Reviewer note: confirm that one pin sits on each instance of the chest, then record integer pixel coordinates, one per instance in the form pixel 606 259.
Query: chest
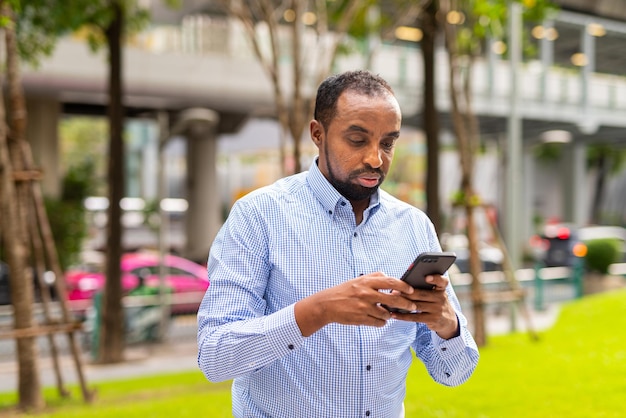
pixel 311 251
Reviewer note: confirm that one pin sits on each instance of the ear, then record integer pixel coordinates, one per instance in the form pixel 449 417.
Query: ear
pixel 317 132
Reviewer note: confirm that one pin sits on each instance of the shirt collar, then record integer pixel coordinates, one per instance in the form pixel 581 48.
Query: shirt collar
pixel 327 195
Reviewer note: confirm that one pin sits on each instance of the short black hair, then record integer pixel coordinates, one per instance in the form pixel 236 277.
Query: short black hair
pixel 360 81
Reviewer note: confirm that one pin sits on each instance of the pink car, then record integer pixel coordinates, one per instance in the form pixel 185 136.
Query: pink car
pixel 187 280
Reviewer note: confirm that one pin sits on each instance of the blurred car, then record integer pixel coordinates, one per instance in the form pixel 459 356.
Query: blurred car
pixel 560 245
pixel 184 277
pixel 491 257
pixel 5 288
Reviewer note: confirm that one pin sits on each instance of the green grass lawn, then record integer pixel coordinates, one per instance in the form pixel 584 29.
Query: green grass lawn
pixel 576 369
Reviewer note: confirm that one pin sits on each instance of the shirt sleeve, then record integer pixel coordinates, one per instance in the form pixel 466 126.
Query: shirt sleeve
pixel 449 362
pixel 235 336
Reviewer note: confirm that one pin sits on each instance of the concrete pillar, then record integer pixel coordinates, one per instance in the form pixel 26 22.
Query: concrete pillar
pixel 546 47
pixel 580 203
pixel 42 133
pixel 576 202
pixel 528 195
pixel 589 50
pixel 203 221
pixel 514 167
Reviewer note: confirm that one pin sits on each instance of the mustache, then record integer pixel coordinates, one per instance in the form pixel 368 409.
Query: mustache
pixel 367 171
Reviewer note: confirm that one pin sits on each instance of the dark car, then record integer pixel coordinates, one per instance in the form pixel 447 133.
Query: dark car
pixel 5 290
pixel 561 245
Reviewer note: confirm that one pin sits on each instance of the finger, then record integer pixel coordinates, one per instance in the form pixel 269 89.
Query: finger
pixel 440 282
pixel 398 302
pixel 393 284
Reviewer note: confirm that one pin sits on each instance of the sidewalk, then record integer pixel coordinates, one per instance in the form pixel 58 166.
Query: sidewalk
pixel 180 355
pixel 145 360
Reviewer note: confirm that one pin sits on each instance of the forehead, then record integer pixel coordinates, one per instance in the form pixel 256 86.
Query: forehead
pixel 352 104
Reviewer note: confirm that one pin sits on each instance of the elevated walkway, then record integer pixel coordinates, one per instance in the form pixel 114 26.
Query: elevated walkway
pixel 224 76
pixel 206 62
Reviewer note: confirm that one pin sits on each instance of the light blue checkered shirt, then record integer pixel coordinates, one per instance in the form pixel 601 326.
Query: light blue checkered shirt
pixel 284 242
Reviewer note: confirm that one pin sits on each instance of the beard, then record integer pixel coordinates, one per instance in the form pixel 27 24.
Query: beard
pixel 352 191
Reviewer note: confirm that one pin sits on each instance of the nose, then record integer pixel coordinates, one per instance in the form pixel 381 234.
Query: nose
pixel 373 156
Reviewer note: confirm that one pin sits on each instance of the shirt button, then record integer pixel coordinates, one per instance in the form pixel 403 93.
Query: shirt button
pixel 443 348
pixel 330 212
pixel 447 374
pixel 290 346
pixel 355 234
pixel 367 413
pixel 369 367
pixel 343 203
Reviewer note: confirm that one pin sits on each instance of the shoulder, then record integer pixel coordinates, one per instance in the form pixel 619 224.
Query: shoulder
pixel 282 191
pixel 403 217
pixel 400 208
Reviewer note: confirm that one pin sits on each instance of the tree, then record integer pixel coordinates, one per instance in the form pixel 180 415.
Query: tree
pixel 314 31
pixel 467 24
pixel 110 21
pixel 15 216
pixel 430 116
pixel 30 30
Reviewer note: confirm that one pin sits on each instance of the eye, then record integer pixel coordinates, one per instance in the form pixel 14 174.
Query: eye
pixel 357 141
pixel 388 145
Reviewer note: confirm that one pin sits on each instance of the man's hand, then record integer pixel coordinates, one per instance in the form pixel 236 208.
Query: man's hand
pixel 355 302
pixel 434 309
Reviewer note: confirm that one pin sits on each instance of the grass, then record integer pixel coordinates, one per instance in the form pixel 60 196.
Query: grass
pixel 576 369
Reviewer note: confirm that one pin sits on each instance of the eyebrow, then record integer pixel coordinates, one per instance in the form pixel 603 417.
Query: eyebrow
pixel 357 128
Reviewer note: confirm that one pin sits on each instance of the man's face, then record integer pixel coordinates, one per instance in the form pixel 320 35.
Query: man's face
pixel 356 150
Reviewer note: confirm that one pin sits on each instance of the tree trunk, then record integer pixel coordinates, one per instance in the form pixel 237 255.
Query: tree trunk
pixel 430 115
pixel 15 232
pixel 111 349
pixel 466 130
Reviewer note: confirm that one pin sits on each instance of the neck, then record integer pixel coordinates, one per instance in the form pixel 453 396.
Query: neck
pixel 358 207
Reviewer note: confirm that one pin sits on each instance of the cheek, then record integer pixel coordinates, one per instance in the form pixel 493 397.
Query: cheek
pixel 387 158
pixel 341 157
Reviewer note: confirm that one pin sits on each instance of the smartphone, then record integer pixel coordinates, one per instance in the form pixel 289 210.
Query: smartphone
pixel 424 265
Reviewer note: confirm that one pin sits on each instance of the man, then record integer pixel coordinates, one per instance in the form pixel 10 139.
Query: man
pixel 300 269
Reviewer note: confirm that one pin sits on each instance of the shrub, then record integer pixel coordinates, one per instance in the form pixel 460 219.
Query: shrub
pixel 601 253
pixel 67 215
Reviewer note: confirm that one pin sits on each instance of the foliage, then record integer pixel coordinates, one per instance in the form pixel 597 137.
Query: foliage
pixel 561 375
pixel 67 214
pixel 458 198
pixel 40 23
pixel 483 19
pixel 85 138
pixel 151 215
pixel 548 153
pixel 614 156
pixel 601 253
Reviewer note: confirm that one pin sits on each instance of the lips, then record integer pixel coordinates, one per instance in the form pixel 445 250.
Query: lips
pixel 370 180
